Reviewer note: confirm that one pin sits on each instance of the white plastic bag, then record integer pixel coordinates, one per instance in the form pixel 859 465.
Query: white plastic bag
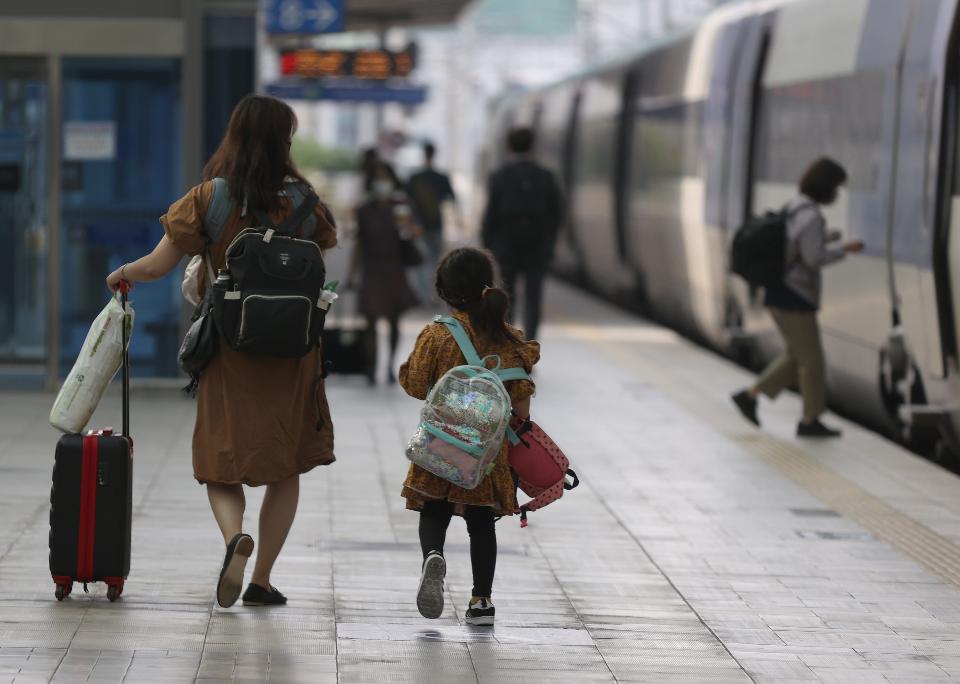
pixel 100 358
pixel 190 285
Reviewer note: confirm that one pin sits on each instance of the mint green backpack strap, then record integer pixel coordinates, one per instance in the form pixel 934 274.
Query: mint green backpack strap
pixel 462 339
pixel 506 374
pixel 218 211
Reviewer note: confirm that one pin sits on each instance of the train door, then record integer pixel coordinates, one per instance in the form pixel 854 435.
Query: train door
pixel 947 234
pixel 592 186
pixel 567 257
pixel 744 315
pixel 715 303
pixel 623 166
pixel 946 248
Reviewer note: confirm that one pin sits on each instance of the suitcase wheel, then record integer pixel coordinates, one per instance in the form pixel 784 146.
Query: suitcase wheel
pixel 63 591
pixel 114 591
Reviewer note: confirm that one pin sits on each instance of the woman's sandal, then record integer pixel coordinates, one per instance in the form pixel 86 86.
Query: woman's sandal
pixel 238 553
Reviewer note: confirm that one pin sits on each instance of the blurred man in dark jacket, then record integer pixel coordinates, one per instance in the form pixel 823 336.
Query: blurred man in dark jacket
pixel 520 224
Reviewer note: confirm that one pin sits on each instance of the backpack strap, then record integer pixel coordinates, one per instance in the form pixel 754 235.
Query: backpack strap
pixel 473 358
pixel 462 338
pixel 215 218
pixel 301 213
pixel 298 193
pixel 221 204
pixel 506 374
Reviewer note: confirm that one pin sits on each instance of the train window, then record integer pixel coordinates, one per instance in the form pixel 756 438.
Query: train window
pixel 842 117
pixel 667 142
pixel 597 137
pixel 595 150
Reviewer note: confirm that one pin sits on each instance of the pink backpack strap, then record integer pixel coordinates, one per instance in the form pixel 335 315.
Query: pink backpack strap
pixel 548 496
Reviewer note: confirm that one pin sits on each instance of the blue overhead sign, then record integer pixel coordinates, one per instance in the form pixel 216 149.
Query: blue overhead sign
pixel 303 16
pixel 339 91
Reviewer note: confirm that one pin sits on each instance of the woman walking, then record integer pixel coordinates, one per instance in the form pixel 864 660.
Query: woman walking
pixel 464 280
pixel 794 302
pixel 261 420
pixel 384 222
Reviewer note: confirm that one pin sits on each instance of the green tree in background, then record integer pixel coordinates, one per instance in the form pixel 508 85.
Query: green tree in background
pixel 309 155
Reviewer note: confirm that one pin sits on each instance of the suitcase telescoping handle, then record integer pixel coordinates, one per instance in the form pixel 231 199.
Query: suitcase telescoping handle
pixel 124 290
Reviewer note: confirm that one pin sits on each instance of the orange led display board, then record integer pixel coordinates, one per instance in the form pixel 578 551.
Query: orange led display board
pixel 378 65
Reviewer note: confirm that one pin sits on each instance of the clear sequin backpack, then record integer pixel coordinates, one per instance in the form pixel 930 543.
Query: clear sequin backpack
pixel 466 416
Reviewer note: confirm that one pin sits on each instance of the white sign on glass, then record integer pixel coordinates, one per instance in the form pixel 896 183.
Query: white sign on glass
pixel 90 140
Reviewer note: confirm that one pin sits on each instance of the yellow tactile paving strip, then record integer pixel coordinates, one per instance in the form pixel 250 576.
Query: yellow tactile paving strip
pixel 934 552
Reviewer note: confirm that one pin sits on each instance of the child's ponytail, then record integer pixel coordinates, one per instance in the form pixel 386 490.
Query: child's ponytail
pixel 464 280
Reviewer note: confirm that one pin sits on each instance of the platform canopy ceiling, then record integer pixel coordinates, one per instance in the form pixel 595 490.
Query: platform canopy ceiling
pixel 376 14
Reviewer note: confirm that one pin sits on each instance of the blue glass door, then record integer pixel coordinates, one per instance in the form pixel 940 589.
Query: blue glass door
pixel 120 171
pixel 23 215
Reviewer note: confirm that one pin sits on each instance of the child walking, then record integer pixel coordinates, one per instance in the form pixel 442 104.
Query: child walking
pixel 464 280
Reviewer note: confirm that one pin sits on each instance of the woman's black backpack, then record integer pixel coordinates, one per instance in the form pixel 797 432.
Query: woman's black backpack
pixel 759 249
pixel 266 302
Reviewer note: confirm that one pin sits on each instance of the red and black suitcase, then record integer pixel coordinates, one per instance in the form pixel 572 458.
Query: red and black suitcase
pixel 91 504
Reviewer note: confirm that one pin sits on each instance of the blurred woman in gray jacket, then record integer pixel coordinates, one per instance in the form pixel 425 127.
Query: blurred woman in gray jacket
pixel 794 302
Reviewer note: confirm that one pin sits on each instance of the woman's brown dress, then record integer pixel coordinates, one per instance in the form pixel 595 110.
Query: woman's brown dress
pixel 260 419
pixel 435 353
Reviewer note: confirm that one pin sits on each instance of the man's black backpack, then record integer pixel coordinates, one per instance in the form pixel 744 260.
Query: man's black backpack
pixel 759 250
pixel 526 212
pixel 266 302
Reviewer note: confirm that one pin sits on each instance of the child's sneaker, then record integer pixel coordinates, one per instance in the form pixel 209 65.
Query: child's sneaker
pixel 430 594
pixel 481 612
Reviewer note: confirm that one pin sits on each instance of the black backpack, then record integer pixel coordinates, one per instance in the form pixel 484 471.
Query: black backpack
pixel 759 250
pixel 425 199
pixel 525 212
pixel 266 302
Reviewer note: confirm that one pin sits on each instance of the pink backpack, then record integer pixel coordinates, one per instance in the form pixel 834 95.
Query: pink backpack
pixel 539 466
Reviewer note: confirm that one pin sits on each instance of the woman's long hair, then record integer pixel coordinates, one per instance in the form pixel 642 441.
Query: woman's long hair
pixel 254 155
pixel 464 280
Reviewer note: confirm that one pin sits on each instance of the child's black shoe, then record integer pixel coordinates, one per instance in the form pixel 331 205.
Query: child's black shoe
pixel 481 612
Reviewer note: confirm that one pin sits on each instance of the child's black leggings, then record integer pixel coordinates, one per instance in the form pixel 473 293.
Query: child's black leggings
pixel 481 526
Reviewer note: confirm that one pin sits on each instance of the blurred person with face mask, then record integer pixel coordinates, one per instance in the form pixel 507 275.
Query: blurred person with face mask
pixel 385 231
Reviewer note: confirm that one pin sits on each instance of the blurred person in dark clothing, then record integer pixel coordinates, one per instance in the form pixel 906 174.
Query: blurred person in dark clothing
pixel 369 159
pixel 428 190
pixel 520 224
pixel 384 221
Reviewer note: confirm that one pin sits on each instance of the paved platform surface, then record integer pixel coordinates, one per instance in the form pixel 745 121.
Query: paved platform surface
pixel 696 549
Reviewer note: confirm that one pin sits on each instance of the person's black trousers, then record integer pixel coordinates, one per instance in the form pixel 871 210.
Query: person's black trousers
pixel 481 526
pixel 534 272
